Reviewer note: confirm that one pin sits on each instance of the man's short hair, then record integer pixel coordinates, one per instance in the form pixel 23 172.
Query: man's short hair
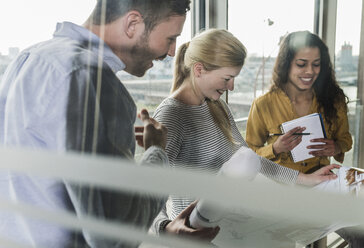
pixel 153 11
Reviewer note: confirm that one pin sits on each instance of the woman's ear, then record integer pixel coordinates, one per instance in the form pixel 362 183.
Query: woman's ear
pixel 198 68
pixel 133 19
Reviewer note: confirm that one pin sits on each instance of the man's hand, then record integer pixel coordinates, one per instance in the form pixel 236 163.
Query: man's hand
pixel 319 176
pixel 154 133
pixel 180 226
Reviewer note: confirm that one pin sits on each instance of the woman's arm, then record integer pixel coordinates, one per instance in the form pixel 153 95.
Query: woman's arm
pixel 169 116
pixel 257 133
pixel 286 175
pixel 317 177
pixel 342 135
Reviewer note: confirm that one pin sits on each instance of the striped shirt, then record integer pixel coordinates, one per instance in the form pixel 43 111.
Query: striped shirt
pixel 195 142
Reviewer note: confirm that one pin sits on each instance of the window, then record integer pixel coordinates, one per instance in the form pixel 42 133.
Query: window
pixel 25 23
pixel 346 65
pixel 150 90
pixel 260 25
pixel 24 28
pixel 347 45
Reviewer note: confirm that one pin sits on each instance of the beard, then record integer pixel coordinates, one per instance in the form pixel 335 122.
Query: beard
pixel 143 56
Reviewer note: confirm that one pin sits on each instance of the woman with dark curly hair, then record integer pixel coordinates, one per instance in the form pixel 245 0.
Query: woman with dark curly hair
pixel 303 83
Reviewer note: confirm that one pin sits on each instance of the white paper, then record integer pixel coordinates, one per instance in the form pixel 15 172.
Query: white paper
pixel 340 184
pixel 243 228
pixel 312 123
pixel 244 163
pixel 251 229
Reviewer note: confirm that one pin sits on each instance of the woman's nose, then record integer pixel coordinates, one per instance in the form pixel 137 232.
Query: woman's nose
pixel 230 85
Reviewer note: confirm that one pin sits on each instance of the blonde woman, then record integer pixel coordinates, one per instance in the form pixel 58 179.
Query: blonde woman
pixel 202 134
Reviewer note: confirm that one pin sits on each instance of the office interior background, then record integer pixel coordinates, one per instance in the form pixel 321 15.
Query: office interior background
pixel 259 24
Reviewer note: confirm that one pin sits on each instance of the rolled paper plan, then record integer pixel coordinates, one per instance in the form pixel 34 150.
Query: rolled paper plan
pixel 245 163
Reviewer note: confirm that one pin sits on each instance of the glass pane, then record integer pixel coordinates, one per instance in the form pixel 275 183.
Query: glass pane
pixel 151 89
pixel 347 45
pixel 24 23
pixel 31 24
pixel 346 64
pixel 260 25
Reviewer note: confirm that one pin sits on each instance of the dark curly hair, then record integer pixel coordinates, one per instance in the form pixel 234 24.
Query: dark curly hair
pixel 326 88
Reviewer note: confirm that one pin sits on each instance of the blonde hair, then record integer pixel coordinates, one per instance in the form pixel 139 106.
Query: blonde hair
pixel 214 48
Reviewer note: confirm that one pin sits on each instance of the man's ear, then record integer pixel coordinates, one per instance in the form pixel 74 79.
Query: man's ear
pixel 198 68
pixel 133 19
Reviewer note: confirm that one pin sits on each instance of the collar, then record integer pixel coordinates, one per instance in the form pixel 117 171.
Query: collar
pixel 96 44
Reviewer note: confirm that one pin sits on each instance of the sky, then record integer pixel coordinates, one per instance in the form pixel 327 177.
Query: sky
pixel 25 22
pixel 248 21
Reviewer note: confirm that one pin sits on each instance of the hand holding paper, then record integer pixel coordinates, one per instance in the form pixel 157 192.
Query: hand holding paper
pixel 314 125
pixel 349 180
pixel 325 147
pixel 287 141
pixel 245 163
pixel 322 175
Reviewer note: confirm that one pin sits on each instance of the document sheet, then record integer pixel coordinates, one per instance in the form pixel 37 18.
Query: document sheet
pixel 314 125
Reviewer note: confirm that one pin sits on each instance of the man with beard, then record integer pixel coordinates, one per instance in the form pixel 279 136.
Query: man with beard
pixel 63 95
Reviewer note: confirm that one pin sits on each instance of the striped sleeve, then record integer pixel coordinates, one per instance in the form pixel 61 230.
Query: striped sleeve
pixel 169 116
pixel 277 172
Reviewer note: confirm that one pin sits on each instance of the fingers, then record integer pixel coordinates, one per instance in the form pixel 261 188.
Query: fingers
pixel 322 143
pixel 327 148
pixel 139 140
pixel 154 133
pixel 207 234
pixel 288 141
pixel 326 173
pixel 319 176
pixel 295 141
pixel 188 210
pixel 139 135
pixel 322 140
pixel 144 115
pixel 290 135
pixel 138 129
pixel 318 147
pixel 154 122
pixel 332 166
pixel 295 130
pixel 329 177
pixel 323 153
pixel 180 227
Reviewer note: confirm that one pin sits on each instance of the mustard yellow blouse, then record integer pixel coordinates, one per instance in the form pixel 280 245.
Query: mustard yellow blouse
pixel 272 109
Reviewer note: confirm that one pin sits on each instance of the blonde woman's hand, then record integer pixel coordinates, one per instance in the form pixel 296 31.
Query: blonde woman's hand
pixel 319 176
